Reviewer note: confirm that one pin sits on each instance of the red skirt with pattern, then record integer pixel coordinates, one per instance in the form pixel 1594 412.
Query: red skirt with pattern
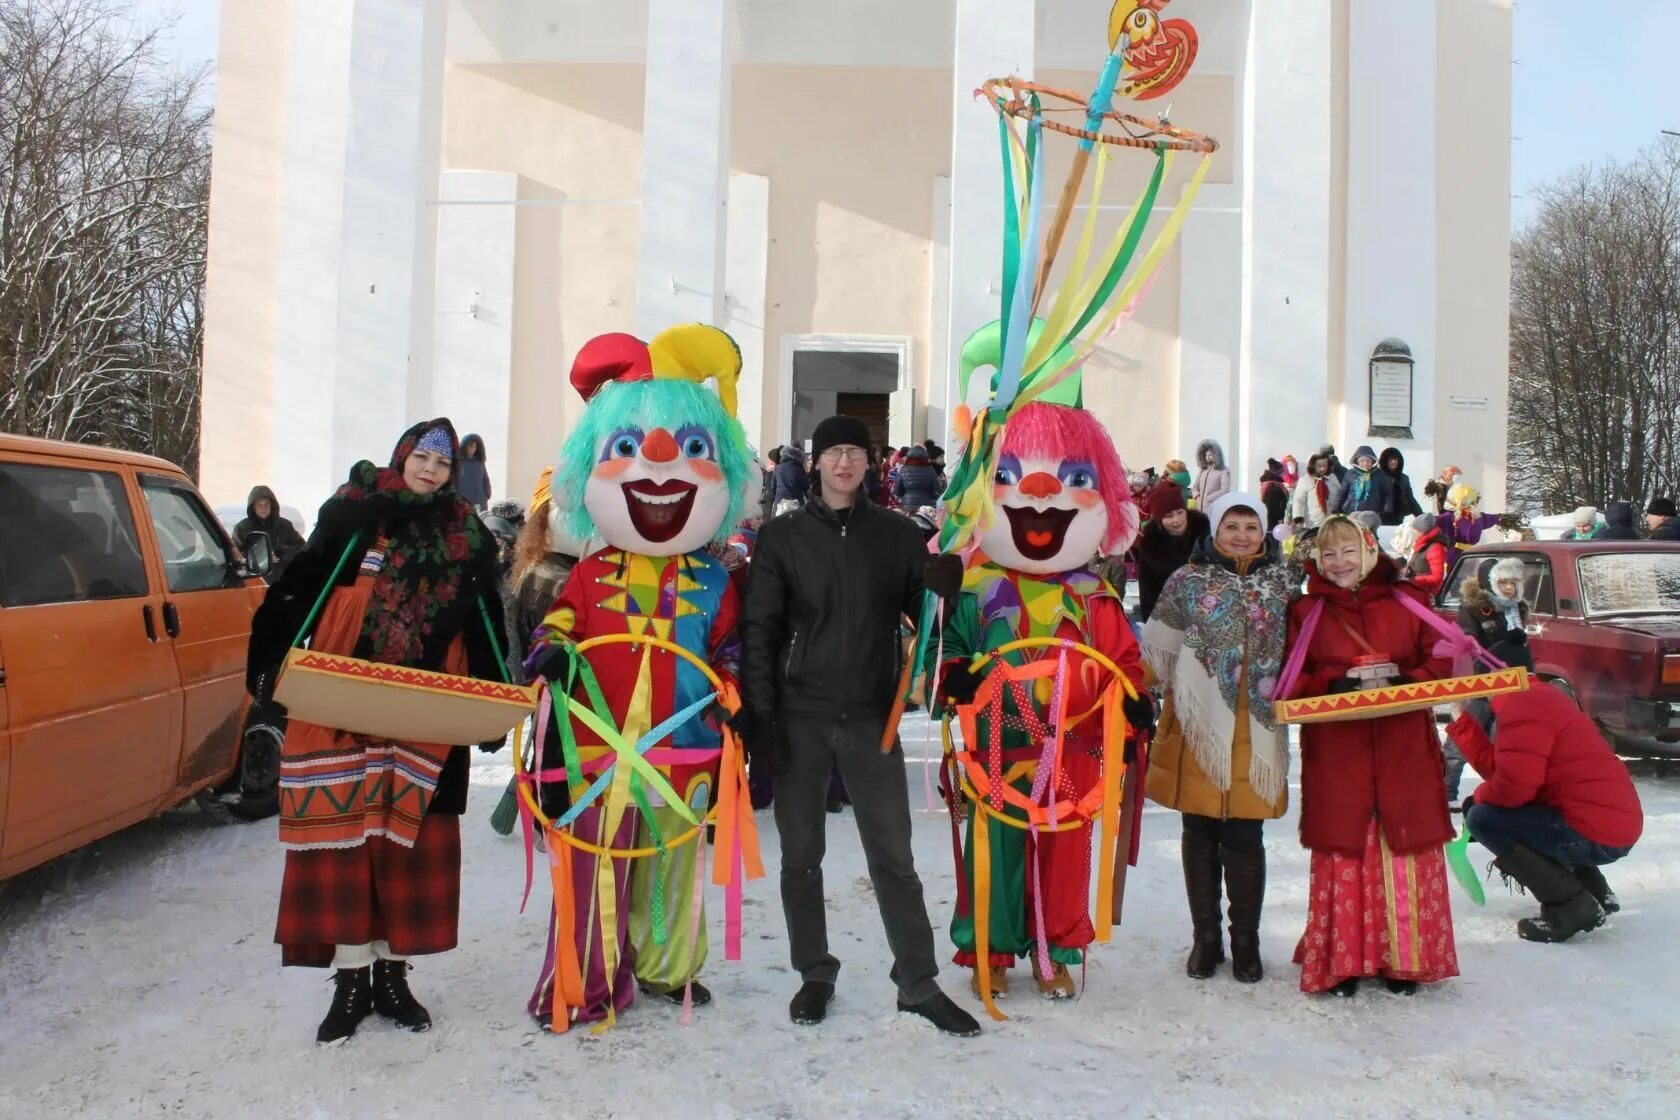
pixel 1378 914
pixel 376 891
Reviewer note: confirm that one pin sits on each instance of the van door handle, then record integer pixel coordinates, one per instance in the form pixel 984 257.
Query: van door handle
pixel 151 624
pixel 171 620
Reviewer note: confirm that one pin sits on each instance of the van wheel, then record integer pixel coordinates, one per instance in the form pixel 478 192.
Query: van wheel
pixel 259 774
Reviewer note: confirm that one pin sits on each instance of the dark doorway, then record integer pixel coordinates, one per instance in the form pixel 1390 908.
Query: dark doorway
pixel 856 383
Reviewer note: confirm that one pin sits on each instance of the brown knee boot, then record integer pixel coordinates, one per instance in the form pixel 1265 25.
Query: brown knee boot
pixel 1200 853
pixel 1245 887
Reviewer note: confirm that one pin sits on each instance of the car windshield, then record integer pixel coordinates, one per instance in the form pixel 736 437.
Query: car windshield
pixel 1630 583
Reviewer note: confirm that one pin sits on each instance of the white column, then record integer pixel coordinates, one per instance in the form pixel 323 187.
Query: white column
pixel 747 257
pixel 685 165
pixel 388 241
pixel 1210 302
pixel 994 39
pixel 354 277
pixel 1391 213
pixel 1285 177
pixel 473 320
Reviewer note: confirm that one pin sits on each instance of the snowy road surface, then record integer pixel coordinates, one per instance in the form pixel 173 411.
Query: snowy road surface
pixel 141 982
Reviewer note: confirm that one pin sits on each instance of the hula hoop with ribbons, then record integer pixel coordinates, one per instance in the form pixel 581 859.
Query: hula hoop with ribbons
pixel 736 838
pixel 1101 804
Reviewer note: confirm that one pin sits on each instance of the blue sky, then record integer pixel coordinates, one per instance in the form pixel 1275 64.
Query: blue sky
pixel 1592 79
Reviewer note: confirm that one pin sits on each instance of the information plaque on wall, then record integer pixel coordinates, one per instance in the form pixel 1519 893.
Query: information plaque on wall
pixel 1391 400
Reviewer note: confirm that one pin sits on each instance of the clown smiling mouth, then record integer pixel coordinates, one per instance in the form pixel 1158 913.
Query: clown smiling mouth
pixel 659 510
pixel 1039 533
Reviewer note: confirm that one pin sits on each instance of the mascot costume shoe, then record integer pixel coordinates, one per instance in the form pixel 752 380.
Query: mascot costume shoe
pixel 659 469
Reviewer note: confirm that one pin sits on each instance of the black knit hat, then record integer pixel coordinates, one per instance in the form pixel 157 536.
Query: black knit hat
pixel 837 431
pixel 1661 507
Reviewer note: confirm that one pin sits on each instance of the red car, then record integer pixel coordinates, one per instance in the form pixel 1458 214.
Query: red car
pixel 1605 629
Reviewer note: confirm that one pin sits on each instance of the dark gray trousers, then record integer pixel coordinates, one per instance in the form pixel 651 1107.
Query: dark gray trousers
pixel 881 802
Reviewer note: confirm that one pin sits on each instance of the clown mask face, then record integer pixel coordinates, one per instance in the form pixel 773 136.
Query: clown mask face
pixel 659 492
pixel 1050 515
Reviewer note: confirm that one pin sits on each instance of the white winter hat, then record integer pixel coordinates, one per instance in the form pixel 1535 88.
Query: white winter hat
pixel 1234 499
pixel 1586 515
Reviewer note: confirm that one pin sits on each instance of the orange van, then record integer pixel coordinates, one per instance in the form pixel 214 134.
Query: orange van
pixel 125 612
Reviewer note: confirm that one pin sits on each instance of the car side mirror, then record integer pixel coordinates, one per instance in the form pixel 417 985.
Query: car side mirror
pixel 259 556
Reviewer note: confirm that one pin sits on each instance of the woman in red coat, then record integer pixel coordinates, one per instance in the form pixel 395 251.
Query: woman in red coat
pixel 1371 806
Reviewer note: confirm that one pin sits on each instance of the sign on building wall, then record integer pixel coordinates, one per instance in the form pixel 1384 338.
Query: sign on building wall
pixel 1392 368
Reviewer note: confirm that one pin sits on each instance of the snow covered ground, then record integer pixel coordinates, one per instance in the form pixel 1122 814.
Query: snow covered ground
pixel 140 981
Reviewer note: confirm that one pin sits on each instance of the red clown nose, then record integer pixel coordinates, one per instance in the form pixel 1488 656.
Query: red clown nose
pixel 659 447
pixel 1040 485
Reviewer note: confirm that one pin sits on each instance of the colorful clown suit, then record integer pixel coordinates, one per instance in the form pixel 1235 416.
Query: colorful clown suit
pixel 1040 881
pixel 659 468
pixel 1055 495
pixel 641 921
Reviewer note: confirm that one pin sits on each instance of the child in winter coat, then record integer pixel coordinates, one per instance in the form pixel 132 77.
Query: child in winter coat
pixel 1365 489
pixel 1586 527
pixel 1428 564
pixel 1556 805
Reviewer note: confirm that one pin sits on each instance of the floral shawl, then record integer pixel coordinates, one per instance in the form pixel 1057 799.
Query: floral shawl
pixel 422 546
pixel 1213 632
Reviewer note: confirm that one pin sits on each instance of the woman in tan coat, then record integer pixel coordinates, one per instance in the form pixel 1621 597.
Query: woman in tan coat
pixel 1216 640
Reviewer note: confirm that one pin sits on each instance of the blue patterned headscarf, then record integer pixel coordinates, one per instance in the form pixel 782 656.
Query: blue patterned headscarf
pixel 437 440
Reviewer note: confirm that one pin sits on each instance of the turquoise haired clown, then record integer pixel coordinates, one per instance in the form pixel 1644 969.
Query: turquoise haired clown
pixel 658 468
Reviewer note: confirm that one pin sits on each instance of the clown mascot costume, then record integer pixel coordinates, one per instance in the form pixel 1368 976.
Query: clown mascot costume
pixel 1059 498
pixel 659 469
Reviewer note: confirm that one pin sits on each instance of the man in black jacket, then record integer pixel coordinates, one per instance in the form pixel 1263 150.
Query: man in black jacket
pixel 820 664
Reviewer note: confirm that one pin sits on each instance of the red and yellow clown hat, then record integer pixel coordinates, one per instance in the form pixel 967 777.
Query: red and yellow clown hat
pixel 691 352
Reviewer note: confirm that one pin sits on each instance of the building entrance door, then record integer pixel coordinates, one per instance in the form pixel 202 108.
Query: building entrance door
pixel 868 379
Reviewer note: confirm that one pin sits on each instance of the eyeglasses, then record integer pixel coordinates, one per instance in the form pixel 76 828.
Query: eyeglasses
pixel 835 454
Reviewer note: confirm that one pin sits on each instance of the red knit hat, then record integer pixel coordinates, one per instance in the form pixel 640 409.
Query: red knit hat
pixel 1164 497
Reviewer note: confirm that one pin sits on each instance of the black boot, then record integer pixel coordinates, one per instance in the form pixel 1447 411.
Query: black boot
pixel 1245 887
pixel 1593 879
pixel 1200 855
pixel 1566 907
pixel 392 999
pixel 700 994
pixel 810 1003
pixel 1347 989
pixel 351 1003
pixel 942 1013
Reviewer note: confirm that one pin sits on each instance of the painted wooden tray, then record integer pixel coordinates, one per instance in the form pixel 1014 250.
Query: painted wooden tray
pixel 393 702
pixel 1391 700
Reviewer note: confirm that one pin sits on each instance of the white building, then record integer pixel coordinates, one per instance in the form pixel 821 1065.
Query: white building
pixel 425 207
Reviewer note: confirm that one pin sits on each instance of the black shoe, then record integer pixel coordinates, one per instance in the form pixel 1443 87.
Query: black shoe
pixel 835 804
pixel 702 995
pixel 1347 988
pixel 810 1003
pixel 1206 953
pixel 1401 987
pixel 942 1013
pixel 392 999
pixel 1566 905
pixel 1592 878
pixel 1245 959
pixel 1563 921
pixel 351 1003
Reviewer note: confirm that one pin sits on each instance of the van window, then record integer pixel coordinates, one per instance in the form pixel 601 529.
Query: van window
pixel 195 555
pixel 66 536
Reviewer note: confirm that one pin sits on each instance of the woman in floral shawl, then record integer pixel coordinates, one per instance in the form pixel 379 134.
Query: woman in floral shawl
pixel 372 828
pixel 1216 638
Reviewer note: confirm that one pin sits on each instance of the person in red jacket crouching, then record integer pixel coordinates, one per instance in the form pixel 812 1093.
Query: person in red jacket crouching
pixel 1556 803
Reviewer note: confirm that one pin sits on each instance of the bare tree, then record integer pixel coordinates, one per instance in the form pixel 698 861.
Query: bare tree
pixel 104 188
pixel 1595 337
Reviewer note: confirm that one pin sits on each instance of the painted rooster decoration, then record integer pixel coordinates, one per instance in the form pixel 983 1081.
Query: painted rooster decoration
pixel 1157 52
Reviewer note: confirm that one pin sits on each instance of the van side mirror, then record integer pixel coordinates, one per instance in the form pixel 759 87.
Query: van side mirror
pixel 259 556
